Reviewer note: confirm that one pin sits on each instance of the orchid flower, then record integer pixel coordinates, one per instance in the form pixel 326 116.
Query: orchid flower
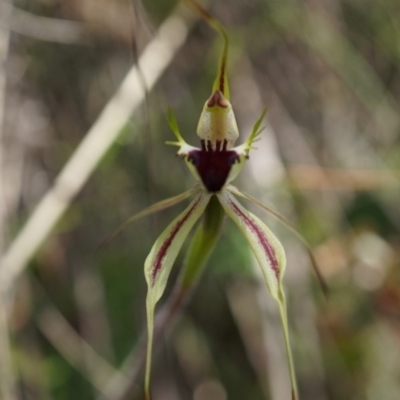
pixel 214 165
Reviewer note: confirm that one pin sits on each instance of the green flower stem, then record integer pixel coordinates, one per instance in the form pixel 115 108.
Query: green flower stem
pixel 202 244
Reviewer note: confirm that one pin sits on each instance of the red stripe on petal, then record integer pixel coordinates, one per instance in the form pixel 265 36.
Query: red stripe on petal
pixel 167 243
pixel 269 250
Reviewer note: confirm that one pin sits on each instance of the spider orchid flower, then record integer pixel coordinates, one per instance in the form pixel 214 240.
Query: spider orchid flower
pixel 214 165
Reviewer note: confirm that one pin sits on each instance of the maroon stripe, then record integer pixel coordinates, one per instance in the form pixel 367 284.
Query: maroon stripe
pixel 269 250
pixel 221 79
pixel 167 243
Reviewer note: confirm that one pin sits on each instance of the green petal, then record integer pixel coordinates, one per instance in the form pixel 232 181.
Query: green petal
pixel 266 247
pixel 159 263
pixel 271 258
pixel 243 150
pixel 161 205
pixel 291 227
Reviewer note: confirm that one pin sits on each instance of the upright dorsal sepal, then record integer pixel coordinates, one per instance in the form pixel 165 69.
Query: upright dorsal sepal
pixel 217 122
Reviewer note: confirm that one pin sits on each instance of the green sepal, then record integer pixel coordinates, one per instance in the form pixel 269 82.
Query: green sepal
pixel 173 124
pixel 159 263
pixel 271 258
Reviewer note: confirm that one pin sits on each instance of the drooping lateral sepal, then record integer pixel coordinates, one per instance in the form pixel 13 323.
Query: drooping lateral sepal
pixel 271 259
pixel 291 227
pixel 159 263
pixel 285 327
pixel 266 247
pixel 165 250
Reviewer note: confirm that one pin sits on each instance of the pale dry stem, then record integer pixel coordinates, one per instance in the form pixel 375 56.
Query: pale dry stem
pixel 7 379
pixel 155 58
pixel 43 28
pixel 75 350
pixel 134 365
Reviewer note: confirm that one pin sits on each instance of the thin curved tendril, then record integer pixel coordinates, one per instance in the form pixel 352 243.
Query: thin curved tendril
pixel 284 318
pixel 290 226
pixel 162 205
pixel 221 82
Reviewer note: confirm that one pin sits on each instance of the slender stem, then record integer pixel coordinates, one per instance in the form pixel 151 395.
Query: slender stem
pixel 203 243
pixel 7 378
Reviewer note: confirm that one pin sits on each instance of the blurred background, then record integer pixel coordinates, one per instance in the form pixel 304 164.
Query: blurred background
pixel 329 160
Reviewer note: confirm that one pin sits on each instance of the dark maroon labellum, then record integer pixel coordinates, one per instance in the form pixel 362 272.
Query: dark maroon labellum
pixel 213 165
